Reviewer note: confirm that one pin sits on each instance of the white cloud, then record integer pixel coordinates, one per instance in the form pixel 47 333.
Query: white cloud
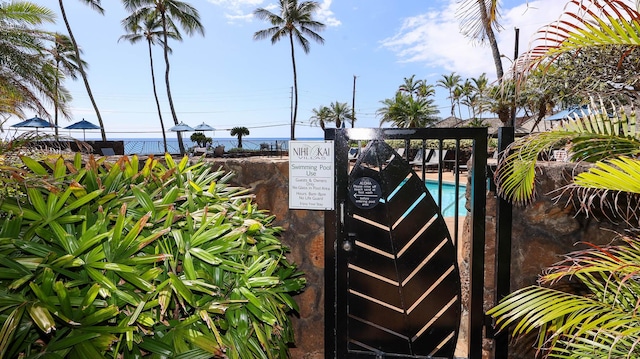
pixel 434 38
pixel 236 3
pixel 238 10
pixel 234 18
pixel 242 10
pixel 326 16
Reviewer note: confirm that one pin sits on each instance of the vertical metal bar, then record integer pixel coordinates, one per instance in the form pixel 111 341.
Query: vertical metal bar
pixel 423 145
pixel 340 264
pixel 440 165
pixel 331 231
pixel 476 265
pixel 504 218
pixel 407 149
pixel 456 203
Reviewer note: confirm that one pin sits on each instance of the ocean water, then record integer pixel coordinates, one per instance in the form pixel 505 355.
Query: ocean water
pixel 147 146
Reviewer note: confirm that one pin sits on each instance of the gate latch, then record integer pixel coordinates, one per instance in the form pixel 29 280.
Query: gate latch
pixel 348 244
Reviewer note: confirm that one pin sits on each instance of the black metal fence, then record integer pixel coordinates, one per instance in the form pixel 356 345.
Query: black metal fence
pixel 359 242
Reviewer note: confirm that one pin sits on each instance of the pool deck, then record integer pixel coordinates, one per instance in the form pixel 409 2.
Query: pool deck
pixel 447 176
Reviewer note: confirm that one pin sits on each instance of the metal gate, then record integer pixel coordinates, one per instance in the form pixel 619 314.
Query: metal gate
pixel 392 282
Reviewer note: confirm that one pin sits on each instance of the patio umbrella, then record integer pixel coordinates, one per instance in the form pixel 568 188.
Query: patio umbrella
pixel 181 127
pixel 204 127
pixel 35 122
pixel 83 125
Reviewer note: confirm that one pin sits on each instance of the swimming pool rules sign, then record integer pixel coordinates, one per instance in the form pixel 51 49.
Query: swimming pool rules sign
pixel 311 175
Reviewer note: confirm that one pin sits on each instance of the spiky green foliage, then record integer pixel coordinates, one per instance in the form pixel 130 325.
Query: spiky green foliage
pixel 131 259
pixel 602 323
pixel 603 134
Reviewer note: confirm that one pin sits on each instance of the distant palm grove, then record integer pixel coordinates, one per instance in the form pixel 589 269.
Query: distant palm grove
pixel 35 65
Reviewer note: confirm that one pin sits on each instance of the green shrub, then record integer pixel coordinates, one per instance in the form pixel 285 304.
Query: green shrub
pixel 200 139
pixel 131 260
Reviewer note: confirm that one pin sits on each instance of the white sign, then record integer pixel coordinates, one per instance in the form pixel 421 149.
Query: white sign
pixel 311 175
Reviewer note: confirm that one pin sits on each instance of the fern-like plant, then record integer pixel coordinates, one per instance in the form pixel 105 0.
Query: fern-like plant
pixel 602 322
pixel 131 260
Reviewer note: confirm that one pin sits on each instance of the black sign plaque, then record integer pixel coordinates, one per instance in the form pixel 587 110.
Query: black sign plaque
pixel 365 192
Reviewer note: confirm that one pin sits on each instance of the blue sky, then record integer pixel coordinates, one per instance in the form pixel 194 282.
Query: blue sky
pixel 227 79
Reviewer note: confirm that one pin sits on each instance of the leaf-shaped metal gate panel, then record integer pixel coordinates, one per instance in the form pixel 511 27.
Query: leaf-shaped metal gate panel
pixel 403 281
pixel 392 275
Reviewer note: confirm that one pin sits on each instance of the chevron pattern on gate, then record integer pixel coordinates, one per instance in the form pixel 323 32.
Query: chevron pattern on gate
pixel 403 281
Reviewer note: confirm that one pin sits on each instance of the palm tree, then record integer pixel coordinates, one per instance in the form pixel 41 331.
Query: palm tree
pixel 412 106
pixel 320 116
pixel 481 88
pixel 340 112
pixel 149 28
pixel 479 20
pixel 464 92
pixel 404 111
pixel 295 21
pixel 411 86
pixel 94 4
pixel 239 131
pixel 450 82
pixel 457 97
pixel 171 13
pixel 26 80
pixel 66 63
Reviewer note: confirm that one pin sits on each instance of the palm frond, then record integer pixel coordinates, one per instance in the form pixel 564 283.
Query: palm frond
pixel 602 323
pixel 603 133
pixel 585 23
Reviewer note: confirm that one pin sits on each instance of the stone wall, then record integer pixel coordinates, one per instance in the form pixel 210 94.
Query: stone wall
pixel 542 232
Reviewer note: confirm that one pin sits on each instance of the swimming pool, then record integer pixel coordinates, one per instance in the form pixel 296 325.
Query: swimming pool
pixel 448 197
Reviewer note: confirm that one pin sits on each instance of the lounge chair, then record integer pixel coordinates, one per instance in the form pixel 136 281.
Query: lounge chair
pixel 107 151
pixel 434 162
pixel 353 153
pixel 199 151
pixel 418 159
pixel 399 152
pixel 461 165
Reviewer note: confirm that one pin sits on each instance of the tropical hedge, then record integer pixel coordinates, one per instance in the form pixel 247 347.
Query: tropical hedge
pixel 139 259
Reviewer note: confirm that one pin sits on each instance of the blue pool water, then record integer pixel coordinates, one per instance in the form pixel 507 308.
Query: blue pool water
pixel 448 198
pixel 449 195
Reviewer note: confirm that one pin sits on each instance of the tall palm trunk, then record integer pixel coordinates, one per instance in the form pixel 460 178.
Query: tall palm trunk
pixel 497 60
pixel 295 90
pixel 56 99
pixel 82 72
pixel 492 38
pixel 155 94
pixel 166 80
pixel 453 105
